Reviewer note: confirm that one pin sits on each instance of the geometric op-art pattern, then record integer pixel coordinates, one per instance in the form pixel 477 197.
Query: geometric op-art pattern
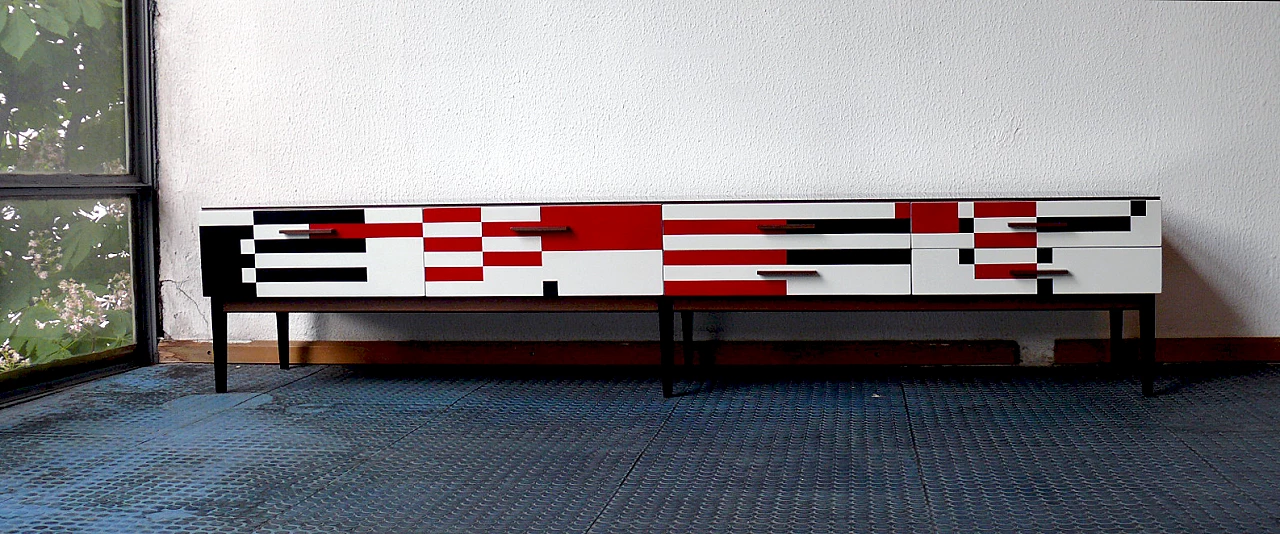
pixel 1066 246
pixel 1035 247
pixel 530 250
pixel 839 248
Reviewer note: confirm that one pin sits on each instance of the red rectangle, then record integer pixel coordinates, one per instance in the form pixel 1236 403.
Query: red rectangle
pixel 369 230
pixel 1005 240
pixel 593 227
pixel 723 288
pixel 455 274
pixel 452 244
pixel 513 259
pixel 902 210
pixel 469 214
pixel 999 271
pixel 935 217
pixel 1004 209
pixel 724 257
pixel 717 227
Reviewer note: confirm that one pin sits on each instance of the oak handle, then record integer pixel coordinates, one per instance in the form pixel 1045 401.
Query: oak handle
pixel 785 272
pixel 540 229
pixel 1036 273
pixel 1036 225
pixel 311 231
pixel 784 227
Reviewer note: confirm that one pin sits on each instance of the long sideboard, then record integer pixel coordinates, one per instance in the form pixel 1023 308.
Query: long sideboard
pixel 1064 253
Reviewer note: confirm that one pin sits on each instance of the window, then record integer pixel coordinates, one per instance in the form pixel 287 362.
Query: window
pixel 76 188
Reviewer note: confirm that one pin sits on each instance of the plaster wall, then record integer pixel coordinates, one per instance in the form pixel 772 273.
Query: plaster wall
pixel 279 102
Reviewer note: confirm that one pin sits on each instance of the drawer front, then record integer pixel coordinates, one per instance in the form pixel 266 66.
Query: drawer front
pixel 1040 223
pixel 338 252
pixel 569 250
pixel 1030 271
pixel 740 249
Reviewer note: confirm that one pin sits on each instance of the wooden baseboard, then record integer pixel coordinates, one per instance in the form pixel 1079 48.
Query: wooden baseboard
pixel 605 353
pixel 1174 350
pixel 1066 351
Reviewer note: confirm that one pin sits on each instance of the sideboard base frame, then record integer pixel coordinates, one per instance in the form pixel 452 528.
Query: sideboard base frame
pixel 666 308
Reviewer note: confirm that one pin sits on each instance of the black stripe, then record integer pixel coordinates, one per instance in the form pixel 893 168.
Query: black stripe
pixel 853 226
pixel 290 246
pixel 308 216
pixel 1086 224
pixel 221 261
pixel 869 256
pixel 314 274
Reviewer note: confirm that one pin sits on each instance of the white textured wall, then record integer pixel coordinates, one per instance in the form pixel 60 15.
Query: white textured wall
pixel 285 102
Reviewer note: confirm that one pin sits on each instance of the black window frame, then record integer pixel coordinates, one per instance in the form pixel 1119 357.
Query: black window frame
pixel 139 185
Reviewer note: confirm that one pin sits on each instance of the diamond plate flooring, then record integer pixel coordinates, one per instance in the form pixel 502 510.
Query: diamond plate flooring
pixel 392 449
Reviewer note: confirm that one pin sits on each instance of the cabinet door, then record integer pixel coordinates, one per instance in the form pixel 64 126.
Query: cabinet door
pixel 329 252
pixel 552 250
pixel 1036 223
pixel 1044 271
pixel 836 248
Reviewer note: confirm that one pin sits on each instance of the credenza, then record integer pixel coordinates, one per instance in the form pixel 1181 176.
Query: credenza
pixel 1047 253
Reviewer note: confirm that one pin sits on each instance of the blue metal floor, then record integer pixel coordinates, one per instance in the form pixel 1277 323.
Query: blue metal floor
pixel 389 449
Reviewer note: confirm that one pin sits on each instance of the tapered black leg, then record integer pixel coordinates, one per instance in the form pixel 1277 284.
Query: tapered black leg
pixel 686 335
pixel 1117 337
pixel 667 342
pixel 1147 338
pixel 219 345
pixel 282 338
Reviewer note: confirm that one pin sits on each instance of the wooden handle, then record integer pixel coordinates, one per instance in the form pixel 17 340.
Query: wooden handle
pixel 540 229
pixel 1036 225
pixel 310 231
pixel 1036 273
pixel 783 272
pixel 783 227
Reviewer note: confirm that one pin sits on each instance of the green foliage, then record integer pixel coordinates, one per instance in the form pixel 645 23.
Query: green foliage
pixel 62 86
pixel 65 284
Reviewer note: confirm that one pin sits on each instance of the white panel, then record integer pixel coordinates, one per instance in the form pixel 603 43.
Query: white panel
pixel 996 225
pixel 1144 232
pixel 452 229
pixel 272 231
pixel 226 217
pixel 511 244
pixel 1004 255
pixel 452 259
pixel 966 210
pixel 852 280
pixel 939 272
pixel 941 240
pixel 498 282
pixel 830 280
pixel 784 241
pixel 1081 208
pixel 248 275
pixel 814 210
pixel 592 273
pixel 393 215
pixel 394 265
pixel 510 213
pixel 1107 270
pixel 247 246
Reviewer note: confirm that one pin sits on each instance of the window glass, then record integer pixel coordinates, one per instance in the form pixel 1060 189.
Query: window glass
pixel 66 279
pixel 62 87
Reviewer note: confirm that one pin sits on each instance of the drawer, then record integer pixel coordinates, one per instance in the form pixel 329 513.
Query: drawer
pixel 1036 223
pixel 820 248
pixel 530 250
pixel 1045 271
pixel 338 252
